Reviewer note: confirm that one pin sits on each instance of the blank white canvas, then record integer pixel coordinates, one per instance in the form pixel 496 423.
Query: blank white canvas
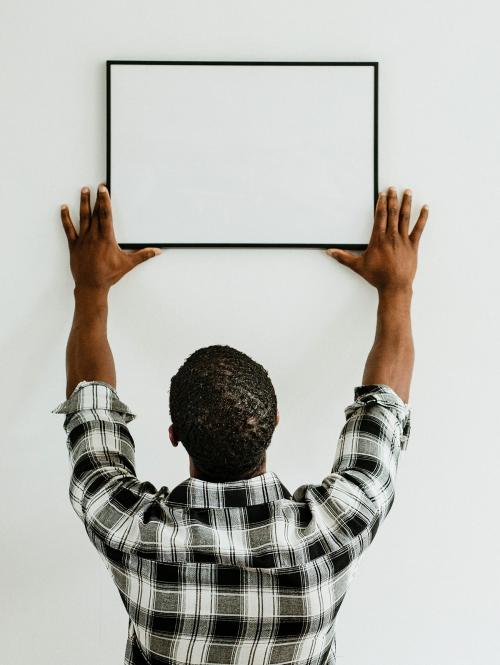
pixel 242 153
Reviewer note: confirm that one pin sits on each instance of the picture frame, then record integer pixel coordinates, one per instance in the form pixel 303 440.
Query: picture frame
pixel 113 65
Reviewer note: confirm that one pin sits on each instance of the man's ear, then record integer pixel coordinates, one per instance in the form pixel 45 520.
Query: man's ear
pixel 172 436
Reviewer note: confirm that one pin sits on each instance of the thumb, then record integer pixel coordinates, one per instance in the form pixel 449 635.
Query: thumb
pixel 144 254
pixel 346 258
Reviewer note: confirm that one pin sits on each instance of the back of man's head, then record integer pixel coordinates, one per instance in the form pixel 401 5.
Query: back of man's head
pixel 223 409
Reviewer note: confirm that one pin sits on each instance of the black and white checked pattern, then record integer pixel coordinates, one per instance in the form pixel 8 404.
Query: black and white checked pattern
pixel 237 572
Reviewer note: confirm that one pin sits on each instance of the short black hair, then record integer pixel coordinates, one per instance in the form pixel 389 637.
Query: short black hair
pixel 223 409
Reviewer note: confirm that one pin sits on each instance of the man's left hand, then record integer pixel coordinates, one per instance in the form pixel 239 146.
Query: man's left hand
pixel 96 259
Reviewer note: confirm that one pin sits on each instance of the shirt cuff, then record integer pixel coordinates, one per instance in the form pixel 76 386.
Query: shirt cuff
pixel 385 396
pixel 94 395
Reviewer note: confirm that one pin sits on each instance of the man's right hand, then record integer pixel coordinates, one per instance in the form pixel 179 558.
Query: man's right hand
pixel 390 260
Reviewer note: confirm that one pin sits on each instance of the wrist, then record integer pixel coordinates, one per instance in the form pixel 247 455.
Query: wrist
pixel 91 304
pixel 94 292
pixel 398 292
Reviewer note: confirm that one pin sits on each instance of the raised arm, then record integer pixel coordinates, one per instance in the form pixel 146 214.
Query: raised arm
pixel 389 264
pixel 357 495
pixel 104 489
pixel 97 262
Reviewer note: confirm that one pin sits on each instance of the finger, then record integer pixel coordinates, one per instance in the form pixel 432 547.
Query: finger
pixel 85 211
pixel 380 220
pixel 69 229
pixel 419 225
pixel 346 258
pixel 141 255
pixel 94 222
pixel 105 216
pixel 392 211
pixel 405 212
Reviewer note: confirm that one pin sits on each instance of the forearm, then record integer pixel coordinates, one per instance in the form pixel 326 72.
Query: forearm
pixel 391 358
pixel 88 354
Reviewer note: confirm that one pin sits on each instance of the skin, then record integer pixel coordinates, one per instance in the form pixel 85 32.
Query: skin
pixel 389 264
pixel 97 262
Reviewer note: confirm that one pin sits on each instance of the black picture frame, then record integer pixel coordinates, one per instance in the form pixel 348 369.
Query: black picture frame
pixel 374 64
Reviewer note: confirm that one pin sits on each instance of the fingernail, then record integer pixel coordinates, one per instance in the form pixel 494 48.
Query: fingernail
pixel 381 193
pixel 157 251
pixel 408 192
pixel 63 206
pixel 85 190
pixel 102 188
pixel 392 189
pixel 425 206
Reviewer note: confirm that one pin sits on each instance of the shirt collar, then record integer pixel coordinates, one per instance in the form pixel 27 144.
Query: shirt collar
pixel 197 493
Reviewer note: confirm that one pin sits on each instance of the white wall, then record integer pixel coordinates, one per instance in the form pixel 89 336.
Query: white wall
pixel 427 589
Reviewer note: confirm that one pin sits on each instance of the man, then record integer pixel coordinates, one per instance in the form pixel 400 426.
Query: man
pixel 229 567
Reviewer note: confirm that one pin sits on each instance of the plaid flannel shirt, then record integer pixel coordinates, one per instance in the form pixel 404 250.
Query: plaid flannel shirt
pixel 236 572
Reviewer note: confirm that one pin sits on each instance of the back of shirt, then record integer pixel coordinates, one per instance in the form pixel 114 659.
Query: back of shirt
pixel 236 572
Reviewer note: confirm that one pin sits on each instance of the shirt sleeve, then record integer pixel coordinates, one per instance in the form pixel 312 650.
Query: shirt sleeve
pixel 358 493
pixel 104 490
